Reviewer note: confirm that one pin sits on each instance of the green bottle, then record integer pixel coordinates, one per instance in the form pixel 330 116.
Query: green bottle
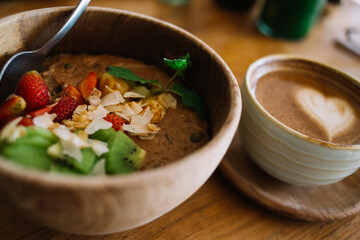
pixel 289 19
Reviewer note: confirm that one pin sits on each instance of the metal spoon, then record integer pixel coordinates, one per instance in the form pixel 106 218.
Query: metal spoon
pixel 25 61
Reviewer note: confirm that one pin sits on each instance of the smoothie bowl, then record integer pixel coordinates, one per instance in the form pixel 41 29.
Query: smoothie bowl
pixel 124 124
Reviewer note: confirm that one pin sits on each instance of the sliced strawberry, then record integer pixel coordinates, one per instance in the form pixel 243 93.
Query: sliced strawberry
pixel 34 90
pixel 39 112
pixel 87 85
pixel 26 121
pixel 116 120
pixel 71 91
pixel 64 108
pixel 12 107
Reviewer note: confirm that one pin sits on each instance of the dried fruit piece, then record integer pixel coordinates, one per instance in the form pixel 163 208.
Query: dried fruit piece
pixel 12 107
pixel 39 112
pixel 34 90
pixel 64 108
pixel 108 84
pixel 116 121
pixel 26 121
pixel 158 109
pixel 87 85
pixel 71 91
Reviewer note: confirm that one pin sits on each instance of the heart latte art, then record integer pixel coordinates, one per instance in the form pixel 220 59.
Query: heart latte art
pixel 319 107
pixel 333 114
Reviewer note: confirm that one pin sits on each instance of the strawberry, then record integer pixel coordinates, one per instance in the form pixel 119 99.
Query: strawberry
pixel 64 108
pixel 34 90
pixel 71 91
pixel 116 120
pixel 26 121
pixel 87 85
pixel 13 106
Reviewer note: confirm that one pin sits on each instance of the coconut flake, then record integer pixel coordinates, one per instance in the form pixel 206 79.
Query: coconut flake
pixel 94 98
pixel 70 142
pixel 136 129
pixel 71 150
pixel 97 124
pixel 81 108
pixel 65 134
pixel 112 99
pixel 123 116
pixel 98 113
pixel 99 147
pixel 167 100
pixel 123 108
pixel 45 120
pixel 18 132
pixel 153 127
pixel 62 132
pixel 132 94
pixel 135 107
pixel 147 137
pixel 9 128
pixel 144 119
pixel 115 108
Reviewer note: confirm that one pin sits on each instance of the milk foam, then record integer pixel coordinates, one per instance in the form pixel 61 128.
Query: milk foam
pixel 333 114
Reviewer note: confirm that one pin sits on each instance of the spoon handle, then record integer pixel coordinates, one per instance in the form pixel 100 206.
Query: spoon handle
pixel 68 25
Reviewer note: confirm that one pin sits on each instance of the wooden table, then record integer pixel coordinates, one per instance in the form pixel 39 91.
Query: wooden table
pixel 217 210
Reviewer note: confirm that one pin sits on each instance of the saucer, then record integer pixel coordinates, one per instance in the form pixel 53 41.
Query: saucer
pixel 318 203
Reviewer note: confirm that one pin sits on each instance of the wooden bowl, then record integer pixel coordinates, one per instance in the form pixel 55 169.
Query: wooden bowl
pixel 100 205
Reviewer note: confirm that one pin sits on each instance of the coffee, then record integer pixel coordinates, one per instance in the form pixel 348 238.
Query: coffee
pixel 317 106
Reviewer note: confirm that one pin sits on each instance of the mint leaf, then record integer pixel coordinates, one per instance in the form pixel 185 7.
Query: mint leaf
pixel 180 64
pixel 126 74
pixel 191 99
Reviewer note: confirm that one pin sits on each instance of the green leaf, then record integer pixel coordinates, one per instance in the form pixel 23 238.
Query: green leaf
pixel 191 99
pixel 126 74
pixel 180 64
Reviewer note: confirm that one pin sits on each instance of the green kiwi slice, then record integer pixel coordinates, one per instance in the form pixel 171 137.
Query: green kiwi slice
pixel 124 156
pixel 30 150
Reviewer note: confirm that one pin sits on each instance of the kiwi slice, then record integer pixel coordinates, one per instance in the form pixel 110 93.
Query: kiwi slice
pixel 41 132
pixel 86 164
pixel 124 156
pixel 71 165
pixel 28 156
pixel 30 150
pixel 104 135
pixel 63 167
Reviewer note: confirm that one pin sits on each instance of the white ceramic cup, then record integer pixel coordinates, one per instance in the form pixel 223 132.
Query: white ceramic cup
pixel 283 152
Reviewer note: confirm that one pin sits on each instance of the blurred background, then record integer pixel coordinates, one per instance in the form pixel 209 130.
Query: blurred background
pixel 229 26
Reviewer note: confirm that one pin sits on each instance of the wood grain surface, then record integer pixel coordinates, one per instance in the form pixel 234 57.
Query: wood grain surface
pixel 218 210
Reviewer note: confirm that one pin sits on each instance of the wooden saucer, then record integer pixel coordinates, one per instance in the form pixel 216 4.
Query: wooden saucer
pixel 320 203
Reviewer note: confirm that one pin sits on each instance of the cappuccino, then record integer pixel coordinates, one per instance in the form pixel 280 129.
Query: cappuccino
pixel 317 106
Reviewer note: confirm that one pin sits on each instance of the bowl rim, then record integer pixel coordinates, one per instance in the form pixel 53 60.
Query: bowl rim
pixel 227 130
pixel 283 57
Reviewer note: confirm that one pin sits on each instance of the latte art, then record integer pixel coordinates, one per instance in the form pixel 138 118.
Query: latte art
pixel 319 107
pixel 333 114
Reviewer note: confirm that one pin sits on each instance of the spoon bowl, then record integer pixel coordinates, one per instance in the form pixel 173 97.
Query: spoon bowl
pixel 15 67
pixel 23 62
